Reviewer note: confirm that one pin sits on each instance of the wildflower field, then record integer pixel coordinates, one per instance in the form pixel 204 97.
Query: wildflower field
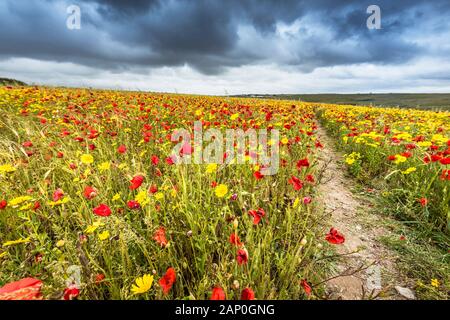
pixel 93 205
pixel 410 149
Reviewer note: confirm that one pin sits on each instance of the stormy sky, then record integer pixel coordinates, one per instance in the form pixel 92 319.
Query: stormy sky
pixel 229 47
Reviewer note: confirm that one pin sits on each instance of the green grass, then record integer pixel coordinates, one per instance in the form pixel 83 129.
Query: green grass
pixel 420 259
pixel 11 82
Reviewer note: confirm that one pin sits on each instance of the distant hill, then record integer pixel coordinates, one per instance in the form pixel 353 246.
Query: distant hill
pixel 403 100
pixel 11 82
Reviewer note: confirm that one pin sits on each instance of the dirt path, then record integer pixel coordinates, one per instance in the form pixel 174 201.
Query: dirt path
pixel 365 268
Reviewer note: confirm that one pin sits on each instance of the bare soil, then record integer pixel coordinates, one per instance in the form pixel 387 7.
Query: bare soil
pixel 365 268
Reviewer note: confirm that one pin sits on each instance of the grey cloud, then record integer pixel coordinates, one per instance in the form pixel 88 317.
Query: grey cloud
pixel 125 35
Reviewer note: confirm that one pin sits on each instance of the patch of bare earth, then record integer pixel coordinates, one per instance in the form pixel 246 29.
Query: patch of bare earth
pixel 365 269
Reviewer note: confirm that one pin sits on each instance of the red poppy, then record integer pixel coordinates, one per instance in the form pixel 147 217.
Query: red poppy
pixel 71 292
pixel 153 189
pixel 306 286
pixel 89 193
pixel 218 294
pixel 310 178
pixel 24 289
pixel 406 154
pixel 72 166
pixel 3 204
pixel 122 149
pixel 392 157
pixel 99 278
pixel 423 201
pixel 170 161
pixel 186 149
pixel 155 160
pixel 234 239
pixel 160 236
pixel 307 200
pixel 136 182
pixel 445 175
pixel 60 154
pixel 302 163
pixel 132 204
pixel 257 215
pixel 102 210
pixel 247 294
pixel 296 183
pixel 436 157
pixel 242 256
pixel 258 175
pixel 167 281
pixel 334 237
pixel 445 161
pixel 36 205
pixel 27 144
pixel 58 194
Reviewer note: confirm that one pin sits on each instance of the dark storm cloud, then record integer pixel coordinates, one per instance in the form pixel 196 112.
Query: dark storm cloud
pixel 209 35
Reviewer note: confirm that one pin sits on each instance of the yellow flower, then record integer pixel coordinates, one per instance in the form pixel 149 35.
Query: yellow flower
pixel 104 235
pixel 104 166
pixel 284 140
pixel 409 170
pixel 25 207
pixel 87 172
pixel 7 168
pixel 211 168
pixel 93 227
pixel 57 203
pixel 13 242
pixel 424 144
pixel 234 116
pixel 296 202
pixel 18 200
pixel 142 198
pixel 351 158
pixel 221 190
pixel 435 283
pixel 350 161
pixel 116 197
pixel 159 195
pixel 86 158
pixel 60 243
pixel 143 284
pixel 399 159
pixel 123 166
